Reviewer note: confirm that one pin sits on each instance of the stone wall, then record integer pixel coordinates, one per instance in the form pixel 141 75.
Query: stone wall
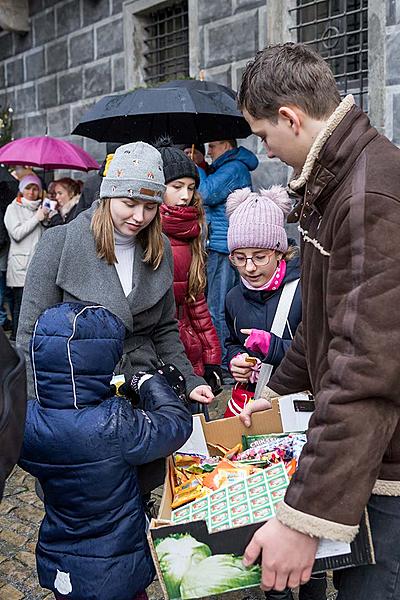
pixel 72 55
pixel 230 33
pixel 392 125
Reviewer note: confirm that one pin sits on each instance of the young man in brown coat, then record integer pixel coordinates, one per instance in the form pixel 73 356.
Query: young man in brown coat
pixel 347 348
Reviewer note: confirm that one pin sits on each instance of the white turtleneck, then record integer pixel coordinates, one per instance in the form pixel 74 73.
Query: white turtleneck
pixel 125 253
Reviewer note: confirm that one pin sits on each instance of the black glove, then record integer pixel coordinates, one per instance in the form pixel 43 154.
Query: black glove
pixel 214 378
pixel 130 388
pixel 175 379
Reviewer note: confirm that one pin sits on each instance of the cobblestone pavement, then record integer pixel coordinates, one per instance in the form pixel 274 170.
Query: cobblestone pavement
pixel 20 515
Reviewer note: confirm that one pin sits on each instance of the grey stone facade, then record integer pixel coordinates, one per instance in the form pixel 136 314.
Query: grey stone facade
pixel 72 55
pixel 77 51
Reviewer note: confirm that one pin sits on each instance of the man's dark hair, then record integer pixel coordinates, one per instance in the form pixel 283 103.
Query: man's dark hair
pixel 233 143
pixel 284 75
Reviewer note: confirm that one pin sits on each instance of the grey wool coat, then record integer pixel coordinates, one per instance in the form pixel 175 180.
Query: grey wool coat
pixel 65 268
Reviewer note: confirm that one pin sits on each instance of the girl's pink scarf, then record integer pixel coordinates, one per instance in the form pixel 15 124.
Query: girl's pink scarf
pixel 273 283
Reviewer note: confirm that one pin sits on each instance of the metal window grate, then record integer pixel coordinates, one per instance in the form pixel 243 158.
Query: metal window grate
pixel 166 42
pixel 338 31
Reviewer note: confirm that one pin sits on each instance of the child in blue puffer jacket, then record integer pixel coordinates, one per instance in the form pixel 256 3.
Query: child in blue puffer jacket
pixel 85 446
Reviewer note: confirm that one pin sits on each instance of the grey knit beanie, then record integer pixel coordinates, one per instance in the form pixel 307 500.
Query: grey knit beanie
pixel 135 171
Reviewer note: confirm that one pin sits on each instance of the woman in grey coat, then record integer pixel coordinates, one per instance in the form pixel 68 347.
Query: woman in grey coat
pixel 115 255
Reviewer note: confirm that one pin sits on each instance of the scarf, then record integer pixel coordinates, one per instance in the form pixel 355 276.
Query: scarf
pixel 30 204
pixel 273 283
pixel 180 222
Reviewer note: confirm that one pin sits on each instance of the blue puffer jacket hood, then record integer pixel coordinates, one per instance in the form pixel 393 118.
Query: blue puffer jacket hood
pixel 245 156
pixel 231 171
pixel 86 448
pixel 74 350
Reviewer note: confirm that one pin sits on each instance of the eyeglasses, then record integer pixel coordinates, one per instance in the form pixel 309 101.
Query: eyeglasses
pixel 240 260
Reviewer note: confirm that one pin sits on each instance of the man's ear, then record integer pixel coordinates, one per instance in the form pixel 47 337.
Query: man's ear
pixel 292 115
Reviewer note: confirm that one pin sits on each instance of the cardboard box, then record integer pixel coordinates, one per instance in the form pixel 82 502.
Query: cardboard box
pixel 228 542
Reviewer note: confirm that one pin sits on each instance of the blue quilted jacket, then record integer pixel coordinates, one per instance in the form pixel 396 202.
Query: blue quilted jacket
pixel 229 172
pixel 84 447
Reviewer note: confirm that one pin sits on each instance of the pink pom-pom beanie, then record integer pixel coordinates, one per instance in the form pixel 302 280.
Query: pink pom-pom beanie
pixel 256 220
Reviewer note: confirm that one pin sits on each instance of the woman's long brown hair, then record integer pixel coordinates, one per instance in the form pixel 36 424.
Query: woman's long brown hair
pixel 197 275
pixel 150 238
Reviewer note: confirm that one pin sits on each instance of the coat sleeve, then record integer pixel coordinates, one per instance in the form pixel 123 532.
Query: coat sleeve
pixel 40 290
pixel 201 322
pixel 169 346
pixel 358 400
pixel 292 374
pixel 158 430
pixel 18 230
pixel 215 188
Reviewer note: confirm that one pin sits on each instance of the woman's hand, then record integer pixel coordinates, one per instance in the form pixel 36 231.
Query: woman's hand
pixel 240 369
pixel 202 394
pixel 41 213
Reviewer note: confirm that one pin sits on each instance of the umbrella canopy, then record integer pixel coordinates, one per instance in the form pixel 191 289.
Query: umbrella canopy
pixel 188 111
pixel 47 152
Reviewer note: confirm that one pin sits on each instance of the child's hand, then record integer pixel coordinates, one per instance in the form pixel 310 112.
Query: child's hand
pixel 202 394
pixel 240 369
pixel 257 340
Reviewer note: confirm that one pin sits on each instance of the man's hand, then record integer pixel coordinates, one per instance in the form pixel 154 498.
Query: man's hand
pixel 287 555
pixel 256 406
pixel 202 394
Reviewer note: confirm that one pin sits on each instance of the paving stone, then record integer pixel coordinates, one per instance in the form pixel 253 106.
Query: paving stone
pixel 47 92
pixel 97 79
pixel 12 538
pixel 13 570
pixel 27 512
pixel 8 504
pixel 95 10
pixel 219 47
pixel 9 592
pixel 57 56
pixel 28 496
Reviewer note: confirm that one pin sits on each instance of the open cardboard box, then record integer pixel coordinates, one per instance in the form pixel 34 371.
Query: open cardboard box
pixel 228 432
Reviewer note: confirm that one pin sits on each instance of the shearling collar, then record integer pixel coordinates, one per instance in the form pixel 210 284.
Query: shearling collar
pixel 331 124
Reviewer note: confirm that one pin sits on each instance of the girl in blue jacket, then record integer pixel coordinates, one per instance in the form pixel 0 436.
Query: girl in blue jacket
pixel 85 446
pixel 258 247
pixel 267 264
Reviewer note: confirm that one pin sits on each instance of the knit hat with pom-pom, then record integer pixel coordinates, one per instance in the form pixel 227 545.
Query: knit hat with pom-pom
pixel 256 220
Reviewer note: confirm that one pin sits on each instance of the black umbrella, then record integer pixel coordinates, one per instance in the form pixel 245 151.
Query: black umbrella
pixel 184 112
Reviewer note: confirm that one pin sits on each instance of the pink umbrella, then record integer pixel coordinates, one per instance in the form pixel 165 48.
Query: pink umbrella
pixel 47 152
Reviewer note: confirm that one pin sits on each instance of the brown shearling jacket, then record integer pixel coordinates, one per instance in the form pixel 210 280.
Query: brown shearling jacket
pixel 347 349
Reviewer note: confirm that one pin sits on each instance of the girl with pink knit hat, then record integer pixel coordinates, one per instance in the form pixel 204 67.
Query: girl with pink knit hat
pixel 263 311
pixel 267 266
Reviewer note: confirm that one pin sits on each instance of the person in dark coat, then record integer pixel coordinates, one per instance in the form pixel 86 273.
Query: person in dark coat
pixel 230 170
pixel 259 250
pixel 67 194
pixel 183 222
pixel 84 447
pixel 268 264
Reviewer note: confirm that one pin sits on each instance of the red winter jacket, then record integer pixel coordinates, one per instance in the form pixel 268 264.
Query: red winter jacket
pixel 196 330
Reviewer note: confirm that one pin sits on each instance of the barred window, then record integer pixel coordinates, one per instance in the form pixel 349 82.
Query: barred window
pixel 338 31
pixel 166 43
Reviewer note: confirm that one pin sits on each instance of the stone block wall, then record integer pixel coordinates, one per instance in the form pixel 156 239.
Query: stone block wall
pixel 72 56
pixel 230 34
pixel 393 70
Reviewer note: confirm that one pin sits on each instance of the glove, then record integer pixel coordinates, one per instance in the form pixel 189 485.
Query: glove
pixel 176 380
pixel 130 388
pixel 258 341
pixel 213 376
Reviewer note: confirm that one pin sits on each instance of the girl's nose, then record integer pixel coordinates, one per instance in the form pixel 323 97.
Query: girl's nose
pixel 250 266
pixel 138 213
